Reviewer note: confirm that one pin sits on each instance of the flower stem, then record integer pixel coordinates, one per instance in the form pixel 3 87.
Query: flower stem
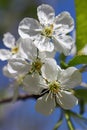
pixel 60 120
pixel 69 122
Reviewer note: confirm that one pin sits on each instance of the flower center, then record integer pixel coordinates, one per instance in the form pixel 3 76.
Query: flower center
pixel 36 65
pixel 54 87
pixel 14 50
pixel 47 31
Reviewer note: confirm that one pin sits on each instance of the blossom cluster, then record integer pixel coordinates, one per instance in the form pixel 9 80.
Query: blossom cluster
pixel 31 63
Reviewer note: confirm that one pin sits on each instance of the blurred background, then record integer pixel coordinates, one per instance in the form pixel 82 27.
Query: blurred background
pixel 22 115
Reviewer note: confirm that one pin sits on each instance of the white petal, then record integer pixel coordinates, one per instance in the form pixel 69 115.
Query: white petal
pixel 9 40
pixel 74 50
pixel 28 49
pixel 32 84
pixel 45 104
pixel 29 28
pixel 50 54
pixel 59 70
pixel 45 54
pixel 21 52
pixel 19 65
pixel 49 69
pixel 70 78
pixel 63 44
pixel 45 14
pixel 4 54
pixel 6 72
pixel 44 44
pixel 66 100
pixel 64 23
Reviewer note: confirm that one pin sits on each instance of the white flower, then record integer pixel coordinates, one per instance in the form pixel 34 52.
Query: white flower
pixel 74 49
pixel 19 73
pixel 58 83
pixel 50 29
pixel 31 59
pixel 9 74
pixel 12 47
pixel 28 66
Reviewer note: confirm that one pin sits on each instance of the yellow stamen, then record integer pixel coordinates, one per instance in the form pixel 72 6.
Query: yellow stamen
pixel 47 31
pixel 36 65
pixel 14 50
pixel 54 87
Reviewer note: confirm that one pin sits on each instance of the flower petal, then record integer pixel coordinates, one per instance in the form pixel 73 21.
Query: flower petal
pixel 63 44
pixel 66 100
pixel 19 65
pixel 11 74
pixel 50 54
pixel 45 14
pixel 29 50
pixel 43 44
pixel 70 78
pixel 29 28
pixel 45 104
pixel 49 69
pixel 64 23
pixel 9 40
pixel 32 84
pixel 4 54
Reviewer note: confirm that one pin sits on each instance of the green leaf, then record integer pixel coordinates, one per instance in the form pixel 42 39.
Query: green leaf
pixel 63 65
pixel 81 23
pixel 81 59
pixel 81 94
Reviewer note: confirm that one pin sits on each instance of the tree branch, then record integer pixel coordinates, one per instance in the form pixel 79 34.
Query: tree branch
pixel 20 97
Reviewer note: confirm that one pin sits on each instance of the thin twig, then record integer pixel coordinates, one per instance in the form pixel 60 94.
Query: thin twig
pixel 83 68
pixel 69 122
pixel 20 97
pixel 59 122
